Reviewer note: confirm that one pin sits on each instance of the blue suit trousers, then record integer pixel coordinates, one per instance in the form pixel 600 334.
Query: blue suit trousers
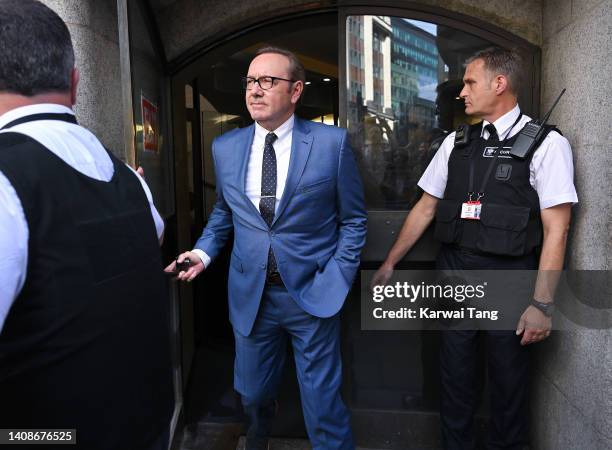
pixel 260 359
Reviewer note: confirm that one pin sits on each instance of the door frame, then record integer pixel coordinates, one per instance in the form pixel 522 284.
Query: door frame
pixel 183 69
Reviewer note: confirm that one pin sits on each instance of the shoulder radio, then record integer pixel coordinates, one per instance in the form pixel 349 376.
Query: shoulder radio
pixel 532 134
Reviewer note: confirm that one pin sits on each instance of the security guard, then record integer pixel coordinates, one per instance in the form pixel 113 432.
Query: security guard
pixel 84 326
pixel 493 211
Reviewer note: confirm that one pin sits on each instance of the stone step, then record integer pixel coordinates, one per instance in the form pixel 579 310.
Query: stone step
pixel 289 444
pixel 372 430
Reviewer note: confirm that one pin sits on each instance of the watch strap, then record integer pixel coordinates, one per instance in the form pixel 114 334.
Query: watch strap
pixel 546 307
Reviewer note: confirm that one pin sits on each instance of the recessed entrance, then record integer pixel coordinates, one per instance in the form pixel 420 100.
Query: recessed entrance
pixel 214 104
pixel 394 83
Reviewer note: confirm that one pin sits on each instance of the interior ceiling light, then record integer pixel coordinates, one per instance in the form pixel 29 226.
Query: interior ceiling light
pixel 307 83
pixel 326 79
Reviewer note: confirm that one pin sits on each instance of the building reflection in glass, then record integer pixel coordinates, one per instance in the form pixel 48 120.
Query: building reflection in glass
pixel 403 82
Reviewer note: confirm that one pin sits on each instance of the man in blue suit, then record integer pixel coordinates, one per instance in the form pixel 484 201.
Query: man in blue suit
pixel 291 192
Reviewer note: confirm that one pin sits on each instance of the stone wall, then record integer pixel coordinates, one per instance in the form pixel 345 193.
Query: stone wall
pixel 185 23
pixel 93 27
pixel 572 404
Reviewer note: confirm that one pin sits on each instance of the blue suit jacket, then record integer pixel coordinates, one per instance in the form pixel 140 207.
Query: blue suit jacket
pixel 318 231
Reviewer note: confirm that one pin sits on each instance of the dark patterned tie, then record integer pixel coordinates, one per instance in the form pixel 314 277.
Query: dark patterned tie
pixel 492 132
pixel 268 191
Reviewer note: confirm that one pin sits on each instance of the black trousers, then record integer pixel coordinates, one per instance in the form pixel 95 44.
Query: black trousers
pixel 508 369
pixel 507 364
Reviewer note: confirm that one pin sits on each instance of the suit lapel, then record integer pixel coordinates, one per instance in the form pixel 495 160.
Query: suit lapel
pixel 301 143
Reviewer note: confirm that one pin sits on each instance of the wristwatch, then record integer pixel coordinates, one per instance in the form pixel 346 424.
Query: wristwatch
pixel 546 307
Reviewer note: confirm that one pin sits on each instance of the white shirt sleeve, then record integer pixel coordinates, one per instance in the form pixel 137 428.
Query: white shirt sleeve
pixel 433 180
pixel 552 172
pixel 13 247
pixel 203 256
pixel 159 222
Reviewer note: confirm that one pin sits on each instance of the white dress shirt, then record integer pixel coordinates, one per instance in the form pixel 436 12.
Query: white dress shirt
pixel 551 171
pixel 282 149
pixel 76 146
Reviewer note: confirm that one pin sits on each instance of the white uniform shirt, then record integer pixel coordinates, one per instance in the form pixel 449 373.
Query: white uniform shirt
pixel 551 171
pixel 282 149
pixel 76 146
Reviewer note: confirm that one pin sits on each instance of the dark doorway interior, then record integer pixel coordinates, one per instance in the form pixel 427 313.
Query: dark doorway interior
pixel 210 401
pixel 403 79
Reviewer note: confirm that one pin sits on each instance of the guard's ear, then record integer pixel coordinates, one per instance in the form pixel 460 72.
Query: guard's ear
pixel 501 84
pixel 74 82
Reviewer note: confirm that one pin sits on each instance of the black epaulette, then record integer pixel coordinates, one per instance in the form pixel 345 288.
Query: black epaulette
pixel 465 133
pixel 549 128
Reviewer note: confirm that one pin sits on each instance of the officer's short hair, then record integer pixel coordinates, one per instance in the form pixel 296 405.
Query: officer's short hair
pixel 36 53
pixel 500 61
pixel 296 68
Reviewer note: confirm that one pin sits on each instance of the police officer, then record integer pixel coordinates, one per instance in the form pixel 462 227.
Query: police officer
pixel 84 335
pixel 505 214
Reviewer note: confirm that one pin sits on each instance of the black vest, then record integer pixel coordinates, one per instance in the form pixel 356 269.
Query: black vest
pixel 86 343
pixel 510 223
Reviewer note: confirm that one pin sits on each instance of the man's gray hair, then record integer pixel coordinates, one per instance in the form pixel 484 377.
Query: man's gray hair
pixel 36 54
pixel 500 61
pixel 296 68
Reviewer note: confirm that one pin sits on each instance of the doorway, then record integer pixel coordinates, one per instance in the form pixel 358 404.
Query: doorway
pixel 212 104
pixel 393 80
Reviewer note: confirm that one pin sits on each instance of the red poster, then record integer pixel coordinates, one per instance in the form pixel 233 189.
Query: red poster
pixel 150 125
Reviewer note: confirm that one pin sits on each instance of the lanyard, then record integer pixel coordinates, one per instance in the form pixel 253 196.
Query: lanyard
pixel 490 168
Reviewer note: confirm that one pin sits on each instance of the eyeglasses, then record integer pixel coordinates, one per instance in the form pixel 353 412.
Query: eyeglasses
pixel 264 82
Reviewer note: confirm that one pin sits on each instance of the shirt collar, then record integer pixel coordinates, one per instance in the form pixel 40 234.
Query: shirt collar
pixel 41 108
pixel 503 124
pixel 281 132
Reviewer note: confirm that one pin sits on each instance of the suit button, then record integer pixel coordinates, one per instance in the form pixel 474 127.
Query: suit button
pixel 272 233
pixel 263 267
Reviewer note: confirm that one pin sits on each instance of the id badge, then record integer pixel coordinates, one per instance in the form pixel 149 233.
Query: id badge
pixel 471 210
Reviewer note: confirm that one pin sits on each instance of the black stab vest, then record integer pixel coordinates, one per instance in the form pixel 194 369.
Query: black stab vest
pixel 86 344
pixel 510 223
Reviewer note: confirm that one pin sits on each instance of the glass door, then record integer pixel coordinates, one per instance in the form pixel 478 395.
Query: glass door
pixel 400 77
pixel 154 153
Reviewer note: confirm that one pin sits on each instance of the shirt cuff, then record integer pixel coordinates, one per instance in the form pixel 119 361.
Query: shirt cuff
pixel 570 197
pixel 203 256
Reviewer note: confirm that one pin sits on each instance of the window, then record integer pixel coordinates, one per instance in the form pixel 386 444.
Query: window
pixel 376 42
pixel 404 116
